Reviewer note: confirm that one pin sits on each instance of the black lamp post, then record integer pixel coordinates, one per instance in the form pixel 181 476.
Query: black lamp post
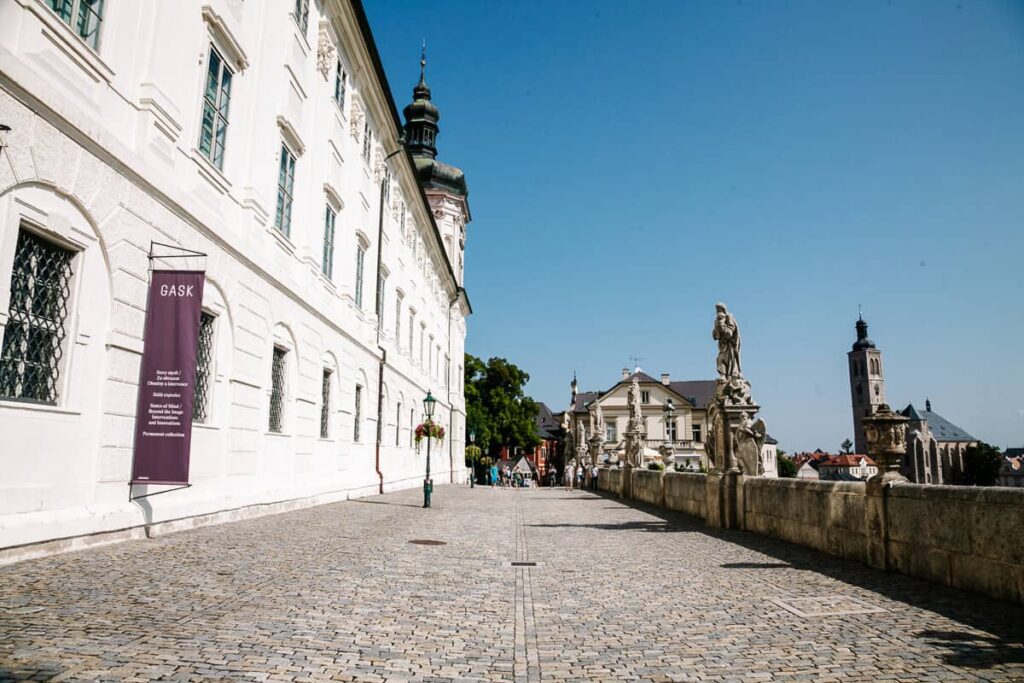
pixel 472 472
pixel 428 410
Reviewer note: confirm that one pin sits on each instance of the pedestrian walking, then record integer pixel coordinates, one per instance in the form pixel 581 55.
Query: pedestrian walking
pixel 593 478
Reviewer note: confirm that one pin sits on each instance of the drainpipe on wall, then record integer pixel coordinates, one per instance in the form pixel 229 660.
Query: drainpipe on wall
pixel 377 308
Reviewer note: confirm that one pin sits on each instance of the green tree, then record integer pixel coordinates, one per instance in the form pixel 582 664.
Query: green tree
pixel 846 447
pixel 981 465
pixel 786 466
pixel 497 409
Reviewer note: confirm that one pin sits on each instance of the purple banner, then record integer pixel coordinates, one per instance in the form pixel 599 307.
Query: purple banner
pixel 163 423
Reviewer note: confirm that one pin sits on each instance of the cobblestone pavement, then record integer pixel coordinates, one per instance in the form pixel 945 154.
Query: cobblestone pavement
pixel 619 593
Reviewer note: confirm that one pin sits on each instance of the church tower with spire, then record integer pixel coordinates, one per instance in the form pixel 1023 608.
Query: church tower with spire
pixel 867 383
pixel 444 185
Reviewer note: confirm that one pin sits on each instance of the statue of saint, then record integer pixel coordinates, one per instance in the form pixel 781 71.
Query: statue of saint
pixel 727 333
pixel 750 437
pixel 636 417
pixel 597 415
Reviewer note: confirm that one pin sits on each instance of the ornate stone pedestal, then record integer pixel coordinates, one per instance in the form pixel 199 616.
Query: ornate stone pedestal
pixel 886 434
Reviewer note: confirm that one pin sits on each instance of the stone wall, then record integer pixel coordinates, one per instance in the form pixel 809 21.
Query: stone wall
pixel 960 536
pixel 647 486
pixel 684 492
pixel 824 515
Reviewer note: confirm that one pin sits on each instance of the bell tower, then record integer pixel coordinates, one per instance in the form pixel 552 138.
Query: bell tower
pixel 867 383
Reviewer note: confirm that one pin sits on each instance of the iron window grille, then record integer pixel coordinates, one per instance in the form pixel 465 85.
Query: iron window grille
pixel 412 332
pixel 84 16
pixel 204 365
pixel 412 425
pixel 302 14
pixel 398 423
pixel 325 405
pixel 360 258
pixel 285 187
pixel 277 389
pixel 340 85
pixel 358 413
pixel 216 99
pixel 30 357
pixel 328 263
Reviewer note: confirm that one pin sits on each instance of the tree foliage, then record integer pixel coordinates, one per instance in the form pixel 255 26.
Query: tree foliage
pixel 786 466
pixel 846 447
pixel 498 411
pixel 981 465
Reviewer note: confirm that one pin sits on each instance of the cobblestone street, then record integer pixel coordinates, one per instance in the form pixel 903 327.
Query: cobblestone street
pixel 618 593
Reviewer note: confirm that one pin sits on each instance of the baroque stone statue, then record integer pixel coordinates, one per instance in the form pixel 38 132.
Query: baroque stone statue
pixel 750 438
pixel 597 418
pixel 727 333
pixel 636 416
pixel 581 442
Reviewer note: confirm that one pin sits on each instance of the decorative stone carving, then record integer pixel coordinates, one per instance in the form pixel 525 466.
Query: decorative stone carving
pixel 636 417
pixel 356 127
pixel 750 438
pixel 734 441
pixel 886 435
pixel 727 333
pixel 324 51
pixel 596 421
pixel 581 442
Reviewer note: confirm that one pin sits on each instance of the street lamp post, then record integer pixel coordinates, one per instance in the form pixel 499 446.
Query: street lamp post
pixel 472 470
pixel 428 410
pixel 670 430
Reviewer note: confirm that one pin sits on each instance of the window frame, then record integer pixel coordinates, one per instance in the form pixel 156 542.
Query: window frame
pixel 340 85
pixel 359 274
pixel 327 378
pixel 74 17
pixel 219 112
pixel 58 366
pixel 288 196
pixel 330 226
pixel 281 392
pixel 357 413
pixel 301 15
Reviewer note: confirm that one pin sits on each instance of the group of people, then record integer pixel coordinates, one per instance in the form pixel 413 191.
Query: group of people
pixel 574 476
pixel 507 478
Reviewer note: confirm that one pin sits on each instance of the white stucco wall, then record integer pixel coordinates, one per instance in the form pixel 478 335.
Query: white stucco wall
pixel 102 157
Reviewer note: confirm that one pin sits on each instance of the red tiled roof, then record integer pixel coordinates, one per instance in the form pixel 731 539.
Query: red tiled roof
pixel 851 460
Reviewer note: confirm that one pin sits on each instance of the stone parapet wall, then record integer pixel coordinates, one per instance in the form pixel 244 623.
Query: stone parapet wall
pixel 684 492
pixel 824 515
pixel 648 487
pixel 960 536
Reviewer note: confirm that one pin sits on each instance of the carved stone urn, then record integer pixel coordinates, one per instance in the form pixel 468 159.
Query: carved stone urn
pixel 886 434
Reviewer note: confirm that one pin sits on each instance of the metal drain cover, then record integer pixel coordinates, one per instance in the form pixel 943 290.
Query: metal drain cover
pixel 426 541
pixel 522 563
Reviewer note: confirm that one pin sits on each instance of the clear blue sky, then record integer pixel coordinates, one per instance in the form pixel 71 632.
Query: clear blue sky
pixel 632 163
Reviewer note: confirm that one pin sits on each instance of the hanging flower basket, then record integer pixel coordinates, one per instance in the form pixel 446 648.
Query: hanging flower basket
pixel 429 430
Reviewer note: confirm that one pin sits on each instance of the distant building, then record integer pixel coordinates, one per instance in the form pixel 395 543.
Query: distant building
pixel 935 446
pixel 548 430
pixel 675 413
pixel 807 471
pixel 1011 471
pixel 847 468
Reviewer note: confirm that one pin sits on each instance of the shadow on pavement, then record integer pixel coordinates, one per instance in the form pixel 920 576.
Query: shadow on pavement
pixel 384 502
pixel 1002 622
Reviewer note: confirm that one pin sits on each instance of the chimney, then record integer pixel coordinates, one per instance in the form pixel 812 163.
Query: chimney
pixel 625 373
pixel 664 378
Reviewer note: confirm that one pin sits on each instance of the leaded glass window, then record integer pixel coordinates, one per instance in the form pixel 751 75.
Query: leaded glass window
pixel 302 14
pixel 285 186
pixel 84 16
pixel 340 85
pixel 325 405
pixel 277 388
pixel 360 259
pixel 204 366
pixel 328 262
pixel 216 99
pixel 33 341
pixel 358 414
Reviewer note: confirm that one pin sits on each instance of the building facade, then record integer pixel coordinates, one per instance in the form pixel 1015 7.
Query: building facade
pixel 675 415
pixel 264 136
pixel 935 446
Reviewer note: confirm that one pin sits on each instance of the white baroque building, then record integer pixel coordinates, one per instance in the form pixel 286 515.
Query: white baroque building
pixel 264 135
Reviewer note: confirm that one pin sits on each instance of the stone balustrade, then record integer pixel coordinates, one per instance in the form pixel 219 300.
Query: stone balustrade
pixel 960 536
